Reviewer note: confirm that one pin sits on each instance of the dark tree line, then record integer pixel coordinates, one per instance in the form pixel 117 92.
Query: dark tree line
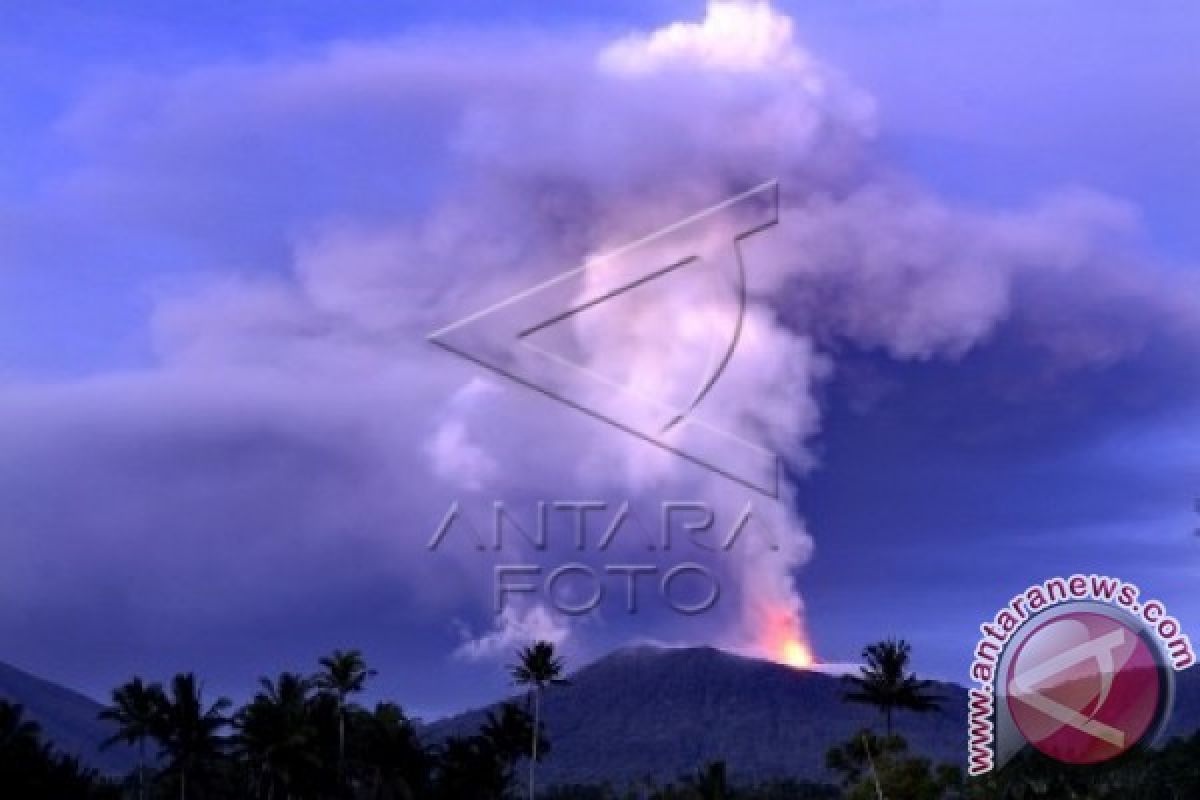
pixel 31 768
pixel 300 737
pixel 304 737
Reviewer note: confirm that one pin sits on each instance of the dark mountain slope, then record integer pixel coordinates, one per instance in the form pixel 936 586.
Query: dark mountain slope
pixel 68 720
pixel 663 712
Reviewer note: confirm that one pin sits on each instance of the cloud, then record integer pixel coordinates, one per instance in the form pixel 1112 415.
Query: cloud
pixel 298 430
pixel 513 630
pixel 734 36
pixel 455 457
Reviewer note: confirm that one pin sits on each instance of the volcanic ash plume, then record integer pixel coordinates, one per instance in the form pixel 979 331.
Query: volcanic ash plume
pixel 659 125
pixel 302 439
pixel 664 125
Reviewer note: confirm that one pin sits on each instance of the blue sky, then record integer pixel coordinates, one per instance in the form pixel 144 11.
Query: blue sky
pixel 967 479
pixel 991 103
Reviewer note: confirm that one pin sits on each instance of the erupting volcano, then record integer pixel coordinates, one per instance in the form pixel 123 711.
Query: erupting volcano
pixel 795 653
pixel 783 641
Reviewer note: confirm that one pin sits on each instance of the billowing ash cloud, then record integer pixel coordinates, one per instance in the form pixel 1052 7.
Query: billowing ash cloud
pixel 300 441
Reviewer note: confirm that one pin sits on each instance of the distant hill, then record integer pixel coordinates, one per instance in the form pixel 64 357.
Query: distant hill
pixel 68 720
pixel 659 712
pixel 1185 714
pixel 638 712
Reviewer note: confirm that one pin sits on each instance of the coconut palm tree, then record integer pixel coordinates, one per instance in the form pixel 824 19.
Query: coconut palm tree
pixel 276 733
pixel 507 730
pixel 886 682
pixel 859 759
pixel 343 673
pixel 188 730
pixel 135 710
pixel 537 667
pixel 390 753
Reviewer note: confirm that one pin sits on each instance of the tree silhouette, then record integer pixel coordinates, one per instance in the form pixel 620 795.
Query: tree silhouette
pixel 61 776
pixel 391 754
pixel 276 734
pixel 188 731
pixel 32 770
pixel 471 767
pixel 285 737
pixel 886 682
pixel 135 710
pixel 509 730
pixel 537 667
pixel 20 745
pixel 872 766
pixel 856 759
pixel 343 673
pixel 17 734
pixel 711 782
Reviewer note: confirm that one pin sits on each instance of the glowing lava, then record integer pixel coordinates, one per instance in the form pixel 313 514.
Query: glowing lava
pixel 783 641
pixel 795 653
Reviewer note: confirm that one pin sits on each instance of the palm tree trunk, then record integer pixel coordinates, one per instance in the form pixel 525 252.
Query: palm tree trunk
pixel 341 737
pixel 182 784
pixel 537 719
pixel 142 769
pixel 871 764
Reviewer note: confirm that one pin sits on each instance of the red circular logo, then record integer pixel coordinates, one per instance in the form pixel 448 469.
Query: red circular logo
pixel 1084 687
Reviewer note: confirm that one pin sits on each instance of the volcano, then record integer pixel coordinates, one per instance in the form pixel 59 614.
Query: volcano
pixel 663 712
pixel 643 712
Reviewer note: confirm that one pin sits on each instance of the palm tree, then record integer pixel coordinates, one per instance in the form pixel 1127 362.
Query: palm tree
pixel 537 667
pixel 188 731
pixel 507 731
pixel 276 733
pixel 860 759
pixel 887 683
pixel 343 673
pixel 470 767
pixel 136 708
pixel 391 753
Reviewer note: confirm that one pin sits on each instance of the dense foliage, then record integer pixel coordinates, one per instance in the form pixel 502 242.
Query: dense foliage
pixel 300 737
pixel 32 770
pixel 303 737
pixel 1169 773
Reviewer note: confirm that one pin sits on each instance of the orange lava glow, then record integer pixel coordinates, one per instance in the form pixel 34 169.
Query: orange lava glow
pixel 795 653
pixel 783 641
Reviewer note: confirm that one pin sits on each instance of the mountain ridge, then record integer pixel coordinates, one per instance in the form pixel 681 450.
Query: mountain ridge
pixel 68 720
pixel 647 711
pixel 637 712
